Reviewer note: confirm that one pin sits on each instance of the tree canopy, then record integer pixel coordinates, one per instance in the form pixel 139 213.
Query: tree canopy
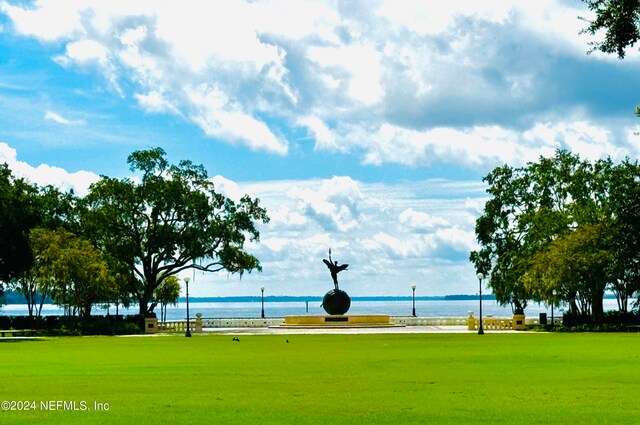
pixel 167 220
pixel 18 215
pixel 126 240
pixel 561 229
pixel 167 293
pixel 70 269
pixel 620 21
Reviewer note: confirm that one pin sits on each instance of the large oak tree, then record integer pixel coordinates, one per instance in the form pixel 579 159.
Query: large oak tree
pixel 169 219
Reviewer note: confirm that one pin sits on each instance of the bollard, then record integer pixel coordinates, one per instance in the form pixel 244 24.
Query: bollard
pixel 543 319
pixel 471 322
pixel 150 325
pixel 518 322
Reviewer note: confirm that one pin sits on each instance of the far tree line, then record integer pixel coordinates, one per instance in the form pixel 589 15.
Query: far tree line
pixel 562 230
pixel 126 241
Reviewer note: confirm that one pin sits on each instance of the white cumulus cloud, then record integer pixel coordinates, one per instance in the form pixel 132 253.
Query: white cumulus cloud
pixel 405 83
pixel 335 205
pixel 44 175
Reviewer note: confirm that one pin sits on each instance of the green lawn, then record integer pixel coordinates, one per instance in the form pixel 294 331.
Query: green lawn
pixel 328 379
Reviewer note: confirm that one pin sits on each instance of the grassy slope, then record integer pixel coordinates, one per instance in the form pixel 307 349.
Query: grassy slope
pixel 330 379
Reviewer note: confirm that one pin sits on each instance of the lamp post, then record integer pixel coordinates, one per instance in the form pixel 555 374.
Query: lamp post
pixel 480 277
pixel 413 288
pixel 553 300
pixel 188 333
pixel 262 292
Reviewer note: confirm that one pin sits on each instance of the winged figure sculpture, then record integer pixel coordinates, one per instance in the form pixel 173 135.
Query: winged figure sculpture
pixel 334 268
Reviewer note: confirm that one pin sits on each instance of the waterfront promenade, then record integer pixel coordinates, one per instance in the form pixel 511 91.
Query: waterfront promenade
pixel 397 325
pixel 341 330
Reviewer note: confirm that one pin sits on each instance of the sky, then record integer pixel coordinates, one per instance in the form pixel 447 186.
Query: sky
pixel 362 126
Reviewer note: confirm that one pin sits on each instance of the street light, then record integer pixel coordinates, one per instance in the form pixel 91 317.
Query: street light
pixel 188 333
pixel 480 277
pixel 262 291
pixel 413 287
pixel 553 301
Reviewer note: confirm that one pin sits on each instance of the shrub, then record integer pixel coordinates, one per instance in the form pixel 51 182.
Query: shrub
pixel 72 325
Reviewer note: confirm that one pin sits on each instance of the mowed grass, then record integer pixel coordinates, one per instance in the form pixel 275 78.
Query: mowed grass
pixel 328 379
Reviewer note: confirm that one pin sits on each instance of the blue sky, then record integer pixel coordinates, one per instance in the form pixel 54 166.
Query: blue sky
pixel 365 127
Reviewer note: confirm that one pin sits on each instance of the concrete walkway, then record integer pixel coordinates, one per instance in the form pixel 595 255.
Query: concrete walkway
pixel 282 330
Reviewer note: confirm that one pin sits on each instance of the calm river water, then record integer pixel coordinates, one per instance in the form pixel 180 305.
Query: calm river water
pixel 429 308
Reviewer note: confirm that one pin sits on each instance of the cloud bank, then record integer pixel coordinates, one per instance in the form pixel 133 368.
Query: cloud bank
pixel 408 84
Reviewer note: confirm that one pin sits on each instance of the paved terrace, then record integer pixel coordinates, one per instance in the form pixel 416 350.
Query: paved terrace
pixel 397 325
pixel 345 330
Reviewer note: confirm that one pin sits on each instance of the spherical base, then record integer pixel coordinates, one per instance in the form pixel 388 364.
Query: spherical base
pixel 336 301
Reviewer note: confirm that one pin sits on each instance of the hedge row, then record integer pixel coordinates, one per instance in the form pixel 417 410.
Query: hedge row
pixel 71 325
pixel 610 319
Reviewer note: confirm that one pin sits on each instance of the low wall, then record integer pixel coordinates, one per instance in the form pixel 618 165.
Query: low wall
pixel 429 321
pixel 491 323
pixel 197 325
pixel 177 326
pixel 501 323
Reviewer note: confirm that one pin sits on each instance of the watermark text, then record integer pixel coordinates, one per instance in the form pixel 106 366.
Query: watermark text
pixel 55 405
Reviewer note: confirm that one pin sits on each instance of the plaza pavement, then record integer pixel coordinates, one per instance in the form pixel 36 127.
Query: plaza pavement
pixel 338 330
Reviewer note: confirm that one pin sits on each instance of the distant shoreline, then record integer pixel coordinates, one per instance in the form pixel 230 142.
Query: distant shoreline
pixel 285 298
pixel 13 297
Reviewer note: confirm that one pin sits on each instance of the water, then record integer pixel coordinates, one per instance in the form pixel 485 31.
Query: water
pixel 429 308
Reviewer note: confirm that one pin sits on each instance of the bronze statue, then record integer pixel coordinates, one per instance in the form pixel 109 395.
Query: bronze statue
pixel 336 301
pixel 334 268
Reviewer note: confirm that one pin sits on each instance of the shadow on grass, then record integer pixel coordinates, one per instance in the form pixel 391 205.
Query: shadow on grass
pixel 21 339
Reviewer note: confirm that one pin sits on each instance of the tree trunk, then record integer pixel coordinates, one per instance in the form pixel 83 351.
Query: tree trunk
pixel 597 306
pixel 149 286
pixel 144 301
pixel 85 312
pixel 143 307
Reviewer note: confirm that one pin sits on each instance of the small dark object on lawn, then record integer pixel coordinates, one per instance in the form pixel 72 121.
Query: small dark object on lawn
pixel 235 339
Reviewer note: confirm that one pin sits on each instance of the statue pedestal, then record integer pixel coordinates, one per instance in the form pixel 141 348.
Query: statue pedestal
pixel 338 320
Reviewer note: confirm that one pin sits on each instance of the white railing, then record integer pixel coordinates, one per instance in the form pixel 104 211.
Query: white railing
pixel 429 321
pixel 196 325
pixel 242 323
pixel 490 323
pixel 178 326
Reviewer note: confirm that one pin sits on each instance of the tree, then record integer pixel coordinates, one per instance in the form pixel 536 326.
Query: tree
pixel 529 207
pixel 34 290
pixel 71 269
pixel 167 293
pixel 562 230
pixel 159 225
pixel 620 20
pixel 576 267
pixel 625 205
pixel 18 214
